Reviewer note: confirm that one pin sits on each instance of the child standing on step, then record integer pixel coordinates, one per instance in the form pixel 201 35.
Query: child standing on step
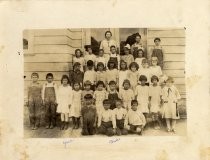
pixel 64 101
pixel 49 96
pixel 79 58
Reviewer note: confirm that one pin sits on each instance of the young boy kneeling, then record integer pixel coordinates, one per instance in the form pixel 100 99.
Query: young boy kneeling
pixel 88 116
pixel 119 114
pixel 106 120
pixel 135 120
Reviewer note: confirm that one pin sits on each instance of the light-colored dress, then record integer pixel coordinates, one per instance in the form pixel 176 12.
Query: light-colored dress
pixel 146 72
pixel 139 62
pixel 133 78
pixel 88 57
pixel 142 93
pixel 127 96
pixel 75 110
pixel 155 70
pixel 170 97
pixel 81 60
pixel 64 96
pixel 99 96
pixel 128 59
pixel 155 92
pixel 122 76
pixel 102 60
pixel 112 75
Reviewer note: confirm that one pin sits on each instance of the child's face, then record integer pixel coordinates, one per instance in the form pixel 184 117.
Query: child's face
pixel 143 82
pixel 157 42
pixel 34 78
pixel 138 39
pixel 134 107
pixel 112 87
pixel 100 87
pixel 123 66
pixel 154 62
pixel 88 101
pixel 126 86
pixel 126 51
pixel 154 81
pixel 101 53
pixel 113 50
pixel 169 84
pixel 78 54
pixel 140 54
pixel 145 65
pixel 108 35
pixel 77 68
pixel 90 67
pixel 118 104
pixel 65 81
pixel 133 68
pixel 89 50
pixel 100 68
pixel 106 106
pixel 49 79
pixel 76 87
pixel 111 65
pixel 87 87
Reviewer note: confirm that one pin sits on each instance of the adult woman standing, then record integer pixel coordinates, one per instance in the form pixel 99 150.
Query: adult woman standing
pixel 137 45
pixel 107 43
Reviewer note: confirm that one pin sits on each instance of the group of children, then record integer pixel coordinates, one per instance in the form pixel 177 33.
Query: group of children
pixel 112 94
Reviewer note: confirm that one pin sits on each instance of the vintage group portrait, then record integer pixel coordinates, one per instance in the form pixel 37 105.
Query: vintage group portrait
pixel 104 82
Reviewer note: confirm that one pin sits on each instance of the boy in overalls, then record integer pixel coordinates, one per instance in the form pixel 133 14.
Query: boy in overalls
pixel 49 99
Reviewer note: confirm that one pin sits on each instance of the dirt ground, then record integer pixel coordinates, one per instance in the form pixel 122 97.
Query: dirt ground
pixel 181 130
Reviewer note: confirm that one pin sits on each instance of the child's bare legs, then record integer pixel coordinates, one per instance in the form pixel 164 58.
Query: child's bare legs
pixel 66 119
pixel 173 124
pixel 157 121
pixel 62 121
pixel 168 124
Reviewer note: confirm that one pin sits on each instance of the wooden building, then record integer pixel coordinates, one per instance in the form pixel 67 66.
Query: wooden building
pixel 51 50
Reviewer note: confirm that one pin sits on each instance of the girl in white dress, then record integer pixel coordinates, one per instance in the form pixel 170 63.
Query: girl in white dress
pixel 154 101
pixel 75 110
pixel 170 97
pixel 123 73
pixel 99 96
pixel 79 58
pixel 127 95
pixel 145 70
pixel 155 70
pixel 142 95
pixel 64 101
pixel 133 75
pixel 140 57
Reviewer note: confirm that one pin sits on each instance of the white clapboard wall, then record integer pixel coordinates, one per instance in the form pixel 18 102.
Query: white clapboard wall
pixel 52 52
pixel 173 43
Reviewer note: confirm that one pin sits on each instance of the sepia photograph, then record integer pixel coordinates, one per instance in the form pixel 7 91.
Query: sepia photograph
pixel 103 82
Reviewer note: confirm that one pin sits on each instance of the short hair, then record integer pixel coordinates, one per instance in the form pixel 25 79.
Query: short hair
pixel 49 75
pixel 112 46
pixel 122 61
pixel 134 102
pixel 134 64
pixel 106 101
pixel 126 81
pixel 157 39
pixel 88 96
pixel 35 74
pixel 108 32
pixel 78 50
pixel 100 83
pixel 65 77
pixel 141 50
pixel 142 78
pixel 145 60
pixel 112 83
pixel 100 64
pixel 111 61
pixel 154 77
pixel 90 63
pixel 88 46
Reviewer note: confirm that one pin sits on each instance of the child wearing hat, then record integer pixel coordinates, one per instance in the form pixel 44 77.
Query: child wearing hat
pixel 76 76
pixel 88 116
pixel 127 57
pixel 155 93
pixel 157 51
pixel 126 94
pixel 87 90
pixel 119 114
pixel 106 120
pixel 170 98
pixel 154 68
pixel 135 120
pixel 34 102
pixel 90 74
pixel 49 96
